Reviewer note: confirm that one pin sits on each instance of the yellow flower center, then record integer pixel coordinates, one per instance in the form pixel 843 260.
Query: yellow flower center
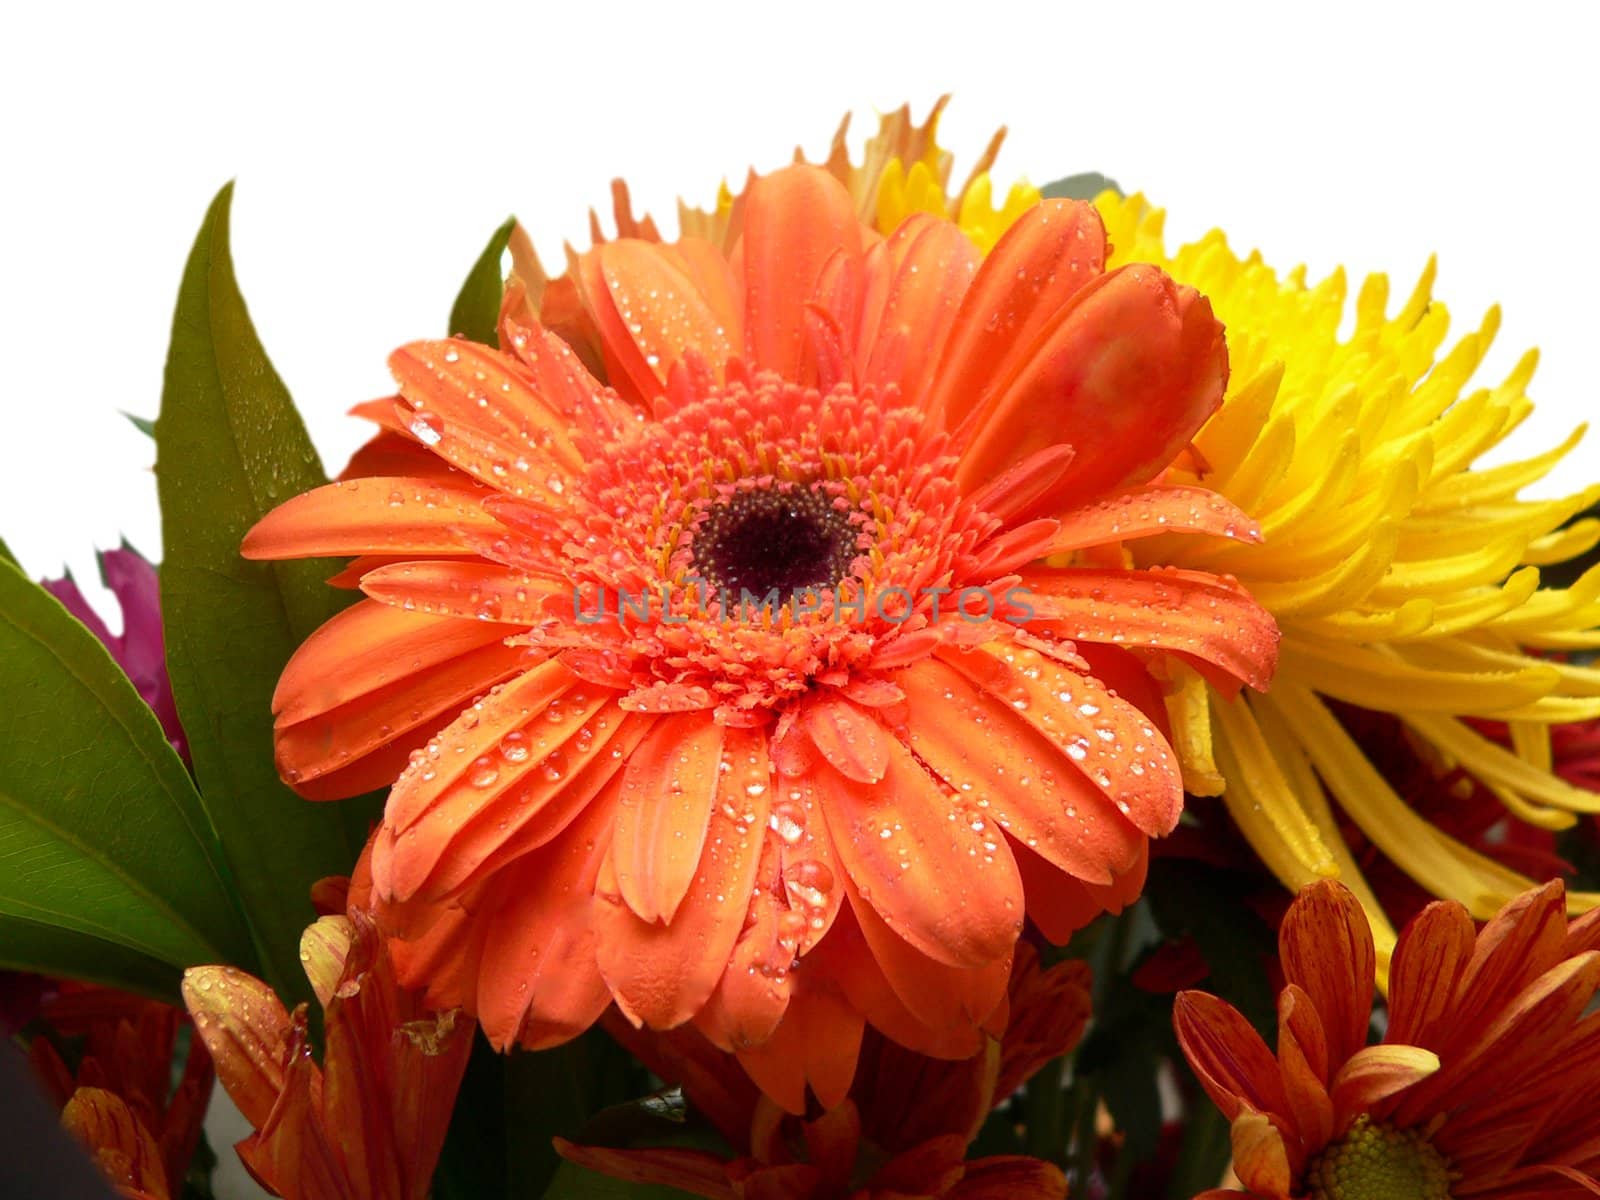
pixel 1378 1162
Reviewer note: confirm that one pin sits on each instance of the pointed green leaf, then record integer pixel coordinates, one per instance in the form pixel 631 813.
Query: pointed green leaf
pixel 230 447
pixel 1084 186
pixel 143 424
pixel 65 954
pixel 6 555
pixel 102 834
pixel 476 312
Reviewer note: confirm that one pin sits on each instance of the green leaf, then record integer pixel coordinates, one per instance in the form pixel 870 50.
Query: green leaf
pixel 1084 186
pixel 6 555
pixel 230 447
pixel 143 424
pixel 65 954
pixel 102 835
pixel 476 312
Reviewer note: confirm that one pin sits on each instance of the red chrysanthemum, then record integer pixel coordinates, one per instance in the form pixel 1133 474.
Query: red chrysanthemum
pixel 1478 1088
pixel 831 808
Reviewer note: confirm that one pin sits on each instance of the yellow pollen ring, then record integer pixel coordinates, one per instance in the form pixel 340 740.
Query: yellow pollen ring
pixel 1375 1161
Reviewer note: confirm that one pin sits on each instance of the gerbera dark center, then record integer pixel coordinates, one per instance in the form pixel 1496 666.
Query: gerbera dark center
pixel 789 539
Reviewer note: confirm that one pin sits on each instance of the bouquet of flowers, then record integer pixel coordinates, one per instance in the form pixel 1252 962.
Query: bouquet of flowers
pixel 898 690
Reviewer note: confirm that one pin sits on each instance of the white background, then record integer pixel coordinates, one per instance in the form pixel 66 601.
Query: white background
pixel 376 147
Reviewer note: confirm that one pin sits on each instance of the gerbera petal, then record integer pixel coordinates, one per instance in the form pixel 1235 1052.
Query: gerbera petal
pixel 471 591
pixel 1228 1056
pixel 369 646
pixel 476 409
pixel 534 775
pixel 925 861
pixel 479 731
pixel 849 738
pixel 933 264
pixel 1149 511
pixel 754 992
pixel 986 752
pixel 795 220
pixel 667 790
pixel 372 516
pixel 342 740
pixel 1046 256
pixel 572 766
pixel 816 1044
pixel 1188 612
pixel 1132 367
pixel 1113 743
pixel 542 983
pixel 940 996
pixel 661 974
pixel 1326 948
pixel 650 313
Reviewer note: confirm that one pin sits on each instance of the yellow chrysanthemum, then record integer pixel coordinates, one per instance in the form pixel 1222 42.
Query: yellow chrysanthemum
pixel 1405 581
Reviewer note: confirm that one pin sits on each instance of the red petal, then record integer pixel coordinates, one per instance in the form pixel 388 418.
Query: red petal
pixel 796 219
pixel 1325 945
pixel 1227 1055
pixel 1008 1177
pixel 1375 1073
pixel 1425 972
pixel 948 888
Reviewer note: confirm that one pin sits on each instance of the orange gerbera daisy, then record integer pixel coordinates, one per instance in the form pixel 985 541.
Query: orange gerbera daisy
pixel 1480 1086
pixel 770 706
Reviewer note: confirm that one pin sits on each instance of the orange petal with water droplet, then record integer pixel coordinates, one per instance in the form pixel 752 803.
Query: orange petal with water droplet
pixel 472 591
pixel 1018 777
pixel 668 787
pixel 540 983
pixel 1118 747
pixel 949 889
pixel 1057 903
pixel 525 779
pixel 246 1030
pixel 650 311
pixel 1148 511
pixel 476 409
pixel 933 265
pixel 1186 612
pixel 795 220
pixel 816 1044
pixel 1130 368
pixel 661 974
pixel 395 515
pixel 471 735
pixel 850 739
pixel 324 755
